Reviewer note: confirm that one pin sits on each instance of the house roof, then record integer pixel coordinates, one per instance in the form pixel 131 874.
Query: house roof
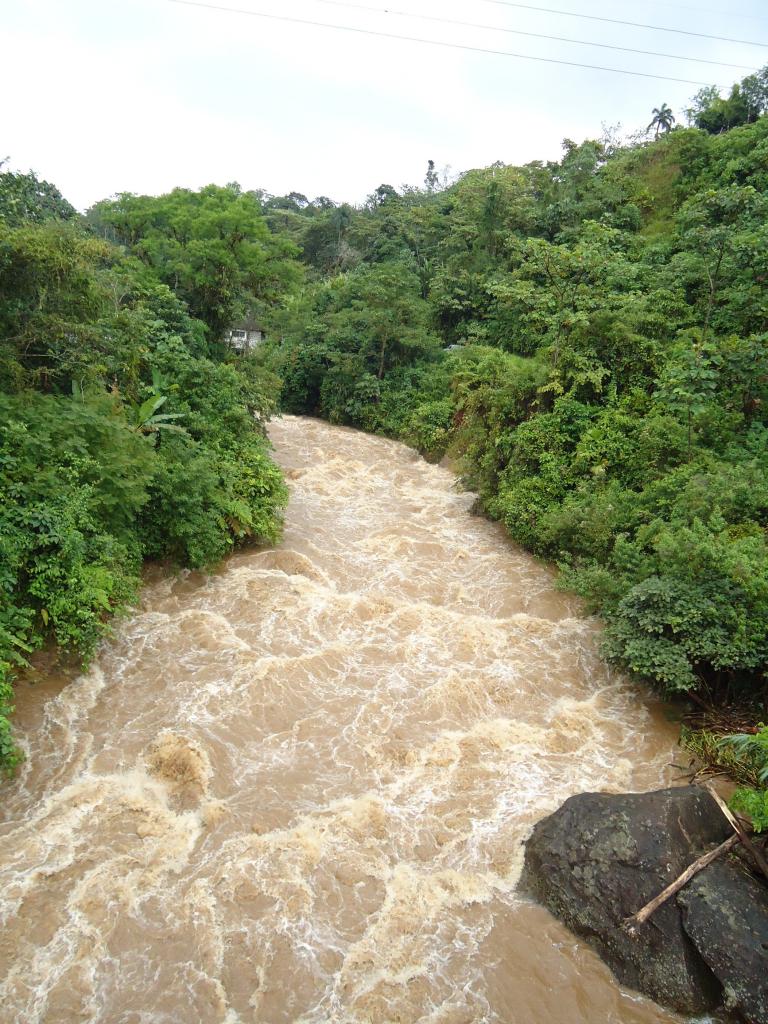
pixel 248 323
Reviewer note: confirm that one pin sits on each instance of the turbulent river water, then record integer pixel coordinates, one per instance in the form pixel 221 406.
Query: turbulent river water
pixel 296 791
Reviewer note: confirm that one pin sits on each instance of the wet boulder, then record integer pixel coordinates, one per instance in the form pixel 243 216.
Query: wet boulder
pixel 600 858
pixel 725 913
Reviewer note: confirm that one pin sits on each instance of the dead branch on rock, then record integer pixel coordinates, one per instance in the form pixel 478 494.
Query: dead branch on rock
pixel 629 923
pixel 735 824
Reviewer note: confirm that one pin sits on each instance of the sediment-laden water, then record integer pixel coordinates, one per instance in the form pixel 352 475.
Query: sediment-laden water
pixel 296 791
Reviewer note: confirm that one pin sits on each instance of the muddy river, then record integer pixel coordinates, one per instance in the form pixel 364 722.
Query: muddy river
pixel 296 790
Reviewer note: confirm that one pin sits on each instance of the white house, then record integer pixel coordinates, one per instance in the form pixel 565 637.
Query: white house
pixel 244 335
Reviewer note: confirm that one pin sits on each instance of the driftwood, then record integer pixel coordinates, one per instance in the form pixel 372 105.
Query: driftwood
pixel 739 836
pixel 629 923
pixel 735 824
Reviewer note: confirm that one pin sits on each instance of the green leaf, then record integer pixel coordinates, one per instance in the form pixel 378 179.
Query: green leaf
pixel 149 408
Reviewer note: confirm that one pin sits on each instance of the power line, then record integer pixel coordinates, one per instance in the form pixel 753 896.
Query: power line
pixel 431 42
pixel 616 21
pixel 533 35
pixel 708 10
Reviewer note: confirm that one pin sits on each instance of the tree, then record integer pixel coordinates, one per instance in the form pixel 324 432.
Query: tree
pixel 722 235
pixel 213 247
pixel 24 199
pixel 746 102
pixel 689 382
pixel 381 318
pixel 382 195
pixel 754 91
pixel 702 101
pixel 52 296
pixel 662 121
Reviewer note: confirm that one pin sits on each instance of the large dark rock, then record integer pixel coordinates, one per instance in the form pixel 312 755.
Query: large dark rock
pixel 600 858
pixel 725 912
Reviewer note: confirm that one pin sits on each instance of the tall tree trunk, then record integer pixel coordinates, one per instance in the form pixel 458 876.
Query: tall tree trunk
pixel 713 280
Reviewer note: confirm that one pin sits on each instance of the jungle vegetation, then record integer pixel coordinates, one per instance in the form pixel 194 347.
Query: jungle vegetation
pixel 587 337
pixel 127 431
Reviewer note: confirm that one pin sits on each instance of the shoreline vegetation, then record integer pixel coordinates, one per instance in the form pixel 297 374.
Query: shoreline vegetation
pixel 127 431
pixel 586 338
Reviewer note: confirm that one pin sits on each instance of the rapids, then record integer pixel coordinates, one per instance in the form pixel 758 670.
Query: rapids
pixel 296 790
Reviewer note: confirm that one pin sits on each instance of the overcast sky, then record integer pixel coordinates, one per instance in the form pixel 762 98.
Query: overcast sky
pixel 101 96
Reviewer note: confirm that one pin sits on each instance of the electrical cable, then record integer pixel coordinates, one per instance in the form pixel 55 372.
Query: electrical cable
pixel 431 42
pixel 708 10
pixel 616 21
pixel 534 35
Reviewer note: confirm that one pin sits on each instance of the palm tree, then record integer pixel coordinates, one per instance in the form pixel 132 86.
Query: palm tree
pixel 662 120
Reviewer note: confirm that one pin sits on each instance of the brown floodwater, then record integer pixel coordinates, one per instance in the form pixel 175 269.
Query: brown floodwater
pixel 297 790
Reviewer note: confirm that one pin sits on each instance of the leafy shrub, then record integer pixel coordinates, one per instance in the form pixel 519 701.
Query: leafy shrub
pixel 753 802
pixel 204 501
pixel 753 749
pixel 751 753
pixel 10 755
pixel 73 477
pixel 428 428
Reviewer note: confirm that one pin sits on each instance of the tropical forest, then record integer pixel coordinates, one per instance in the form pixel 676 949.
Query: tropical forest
pixel 582 342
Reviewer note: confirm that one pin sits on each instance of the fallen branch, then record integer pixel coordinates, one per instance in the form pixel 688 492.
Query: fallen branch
pixel 629 923
pixel 735 824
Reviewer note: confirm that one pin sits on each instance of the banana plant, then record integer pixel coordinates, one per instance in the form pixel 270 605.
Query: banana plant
pixel 145 418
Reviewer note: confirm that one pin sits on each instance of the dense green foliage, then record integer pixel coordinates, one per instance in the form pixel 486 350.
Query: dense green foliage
pixel 588 338
pixel 126 430
pixel 213 247
pixel 746 102
pixel 751 750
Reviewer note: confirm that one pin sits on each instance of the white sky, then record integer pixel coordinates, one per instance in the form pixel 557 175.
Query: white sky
pixel 106 96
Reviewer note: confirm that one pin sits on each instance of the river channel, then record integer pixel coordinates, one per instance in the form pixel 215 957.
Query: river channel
pixel 297 790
